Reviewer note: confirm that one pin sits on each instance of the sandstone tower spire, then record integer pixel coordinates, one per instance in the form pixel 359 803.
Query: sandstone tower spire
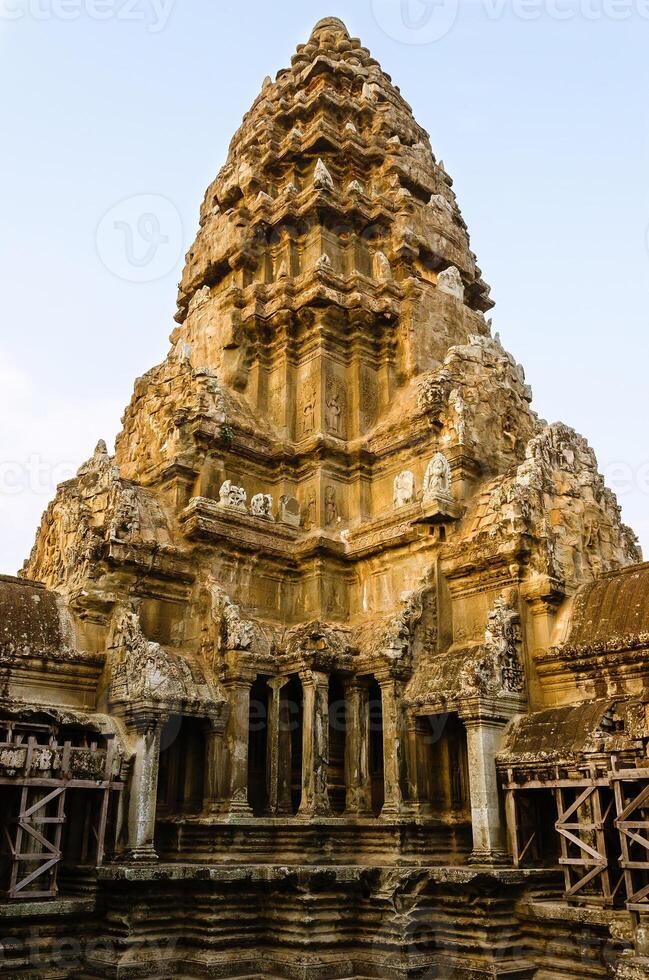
pixel 324 571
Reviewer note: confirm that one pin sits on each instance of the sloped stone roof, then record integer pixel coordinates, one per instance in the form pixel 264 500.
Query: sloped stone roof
pixel 611 613
pixel 30 619
pixel 568 733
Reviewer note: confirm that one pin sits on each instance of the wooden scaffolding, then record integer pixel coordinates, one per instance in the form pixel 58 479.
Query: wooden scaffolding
pixel 589 848
pixel 37 773
pixel 631 791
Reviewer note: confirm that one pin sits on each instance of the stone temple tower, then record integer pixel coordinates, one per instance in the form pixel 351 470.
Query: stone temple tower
pixel 335 560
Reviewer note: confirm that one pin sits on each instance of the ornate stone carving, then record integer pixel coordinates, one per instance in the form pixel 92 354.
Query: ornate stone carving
pixel 306 410
pixel 437 481
pixel 233 496
pixel 331 507
pixel 261 505
pixel 146 673
pixel 497 668
pixel 235 633
pixel 310 510
pixel 398 637
pixel 335 406
pixel 460 410
pixel 431 396
pixel 125 523
pixel 502 640
pixel 404 489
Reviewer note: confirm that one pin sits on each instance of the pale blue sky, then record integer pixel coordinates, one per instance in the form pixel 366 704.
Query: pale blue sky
pixel 538 108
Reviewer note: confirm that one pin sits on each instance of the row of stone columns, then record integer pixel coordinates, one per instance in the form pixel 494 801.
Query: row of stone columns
pixel 227 755
pixel 226 775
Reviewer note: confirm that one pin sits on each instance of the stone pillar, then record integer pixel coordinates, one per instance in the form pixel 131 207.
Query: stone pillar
pixel 315 744
pixel 358 800
pixel 391 691
pixel 216 768
pixel 484 737
pixel 144 791
pixel 278 769
pixel 237 734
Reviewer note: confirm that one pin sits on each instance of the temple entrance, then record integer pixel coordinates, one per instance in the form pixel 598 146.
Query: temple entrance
pixel 336 783
pixel 293 714
pixel 443 783
pixel 258 747
pixel 182 766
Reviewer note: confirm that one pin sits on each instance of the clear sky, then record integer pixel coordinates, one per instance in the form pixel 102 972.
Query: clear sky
pixel 118 113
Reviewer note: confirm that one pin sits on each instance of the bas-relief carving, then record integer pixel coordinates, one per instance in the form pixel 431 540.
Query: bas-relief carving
pixel 144 672
pixel 437 481
pixel 381 267
pixel 233 631
pixel 496 668
pixel 306 408
pixel 404 489
pixel 331 506
pixel 276 402
pixel 310 509
pixel 335 406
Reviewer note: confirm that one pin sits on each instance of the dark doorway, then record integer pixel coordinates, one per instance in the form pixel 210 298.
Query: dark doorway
pixel 258 747
pixel 376 747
